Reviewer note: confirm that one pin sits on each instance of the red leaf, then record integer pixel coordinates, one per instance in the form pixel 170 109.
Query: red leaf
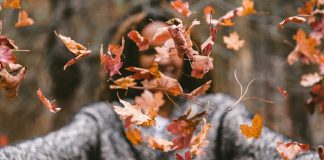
pixel 290 150
pixel 181 7
pixel 187 156
pixel 201 65
pixel 282 92
pixel 48 104
pixel 141 42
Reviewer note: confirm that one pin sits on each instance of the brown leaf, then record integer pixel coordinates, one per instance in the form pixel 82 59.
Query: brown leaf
pixel 24 20
pixel 199 91
pixel 13 4
pixel 283 92
pixel 77 49
pixel 320 151
pixel 123 83
pixel 295 19
pixel 181 7
pixel 159 144
pixel 198 140
pixel 134 135
pixel 256 128
pixel 141 42
pixel 201 65
pixel 232 41
pixel 148 99
pixel 290 150
pixel 11 83
pixel 48 104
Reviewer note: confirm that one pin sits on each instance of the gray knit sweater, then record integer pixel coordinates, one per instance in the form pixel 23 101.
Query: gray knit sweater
pixel 97 133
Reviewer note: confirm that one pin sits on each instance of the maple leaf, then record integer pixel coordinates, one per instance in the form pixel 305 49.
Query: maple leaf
pixel 290 150
pixel 24 20
pixel 232 41
pixel 183 128
pixel 295 19
pixel 181 7
pixel 77 49
pixel 112 61
pixel 148 99
pixel 141 73
pixel 310 79
pixel 282 92
pixel 199 91
pixel 159 144
pixel 201 65
pixel 14 4
pixel 256 128
pixel 134 135
pixel 48 104
pixel 187 156
pixel 248 8
pixel 11 83
pixel 6 56
pixel 198 140
pixel 141 42
pixel 123 83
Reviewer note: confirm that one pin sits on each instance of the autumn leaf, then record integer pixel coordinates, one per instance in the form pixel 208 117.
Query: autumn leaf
pixel 198 140
pixel 232 41
pixel 187 156
pixel 141 73
pixel 317 98
pixel 248 8
pixel 24 20
pixel 134 135
pixel 201 65
pixel 310 79
pixel 4 40
pixel 199 91
pixel 123 83
pixel 256 128
pixel 290 150
pixel 295 19
pixel 320 151
pixel 207 46
pixel 14 4
pixel 159 144
pixel 6 56
pixel 283 92
pixel 77 49
pixel 148 99
pixel 141 42
pixel 307 8
pixel 48 104
pixel 3 140
pixel 181 7
pixel 11 83
pixel 112 61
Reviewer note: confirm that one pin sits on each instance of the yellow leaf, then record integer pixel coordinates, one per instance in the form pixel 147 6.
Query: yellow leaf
pixel 256 128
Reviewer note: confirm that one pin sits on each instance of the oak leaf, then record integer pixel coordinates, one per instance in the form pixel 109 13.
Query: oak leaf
pixel 233 41
pixel 24 20
pixel 48 104
pixel 256 128
pixel 290 150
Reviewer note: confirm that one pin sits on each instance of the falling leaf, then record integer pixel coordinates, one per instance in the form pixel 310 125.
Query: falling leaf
pixel 199 91
pixel 24 20
pixel 4 40
pixel 159 144
pixel 295 19
pixel 256 128
pixel 183 127
pixel 6 56
pixel 283 92
pixel 141 73
pixel 165 84
pixel 201 65
pixel 14 4
pixel 232 41
pixel 77 49
pixel 123 83
pixel 317 98
pixel 290 150
pixel 320 151
pixel 148 99
pixel 310 79
pixel 134 135
pixel 307 8
pixel 248 8
pixel 187 156
pixel 3 140
pixel 161 35
pixel 207 46
pixel 112 61
pixel 48 104
pixel 141 42
pixel 11 83
pixel 181 7
pixel 198 140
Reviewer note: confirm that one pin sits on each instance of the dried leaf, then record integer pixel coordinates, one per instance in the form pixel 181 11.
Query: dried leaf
pixel 248 8
pixel 48 104
pixel 199 91
pixel 77 49
pixel 123 83
pixel 198 140
pixel 134 135
pixel 207 46
pixel 283 92
pixel 201 65
pixel 310 79
pixel 159 144
pixel 165 84
pixel 141 42
pixel 295 19
pixel 6 56
pixel 13 4
pixel 7 42
pixel 290 150
pixel 187 156
pixel 320 151
pixel 11 83
pixel 256 128
pixel 24 20
pixel 181 7
pixel 148 99
pixel 232 41
pixel 3 140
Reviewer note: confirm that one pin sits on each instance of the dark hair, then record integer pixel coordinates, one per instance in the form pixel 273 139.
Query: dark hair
pixel 137 19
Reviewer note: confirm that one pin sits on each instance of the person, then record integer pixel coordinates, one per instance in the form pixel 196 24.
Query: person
pixel 96 132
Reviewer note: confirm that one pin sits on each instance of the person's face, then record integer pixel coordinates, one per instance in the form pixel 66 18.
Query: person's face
pixel 171 66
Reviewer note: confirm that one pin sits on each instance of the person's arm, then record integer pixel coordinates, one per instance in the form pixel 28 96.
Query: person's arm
pixel 95 133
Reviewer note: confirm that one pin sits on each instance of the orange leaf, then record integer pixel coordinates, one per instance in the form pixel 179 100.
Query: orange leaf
pixel 199 91
pixel 77 49
pixel 11 83
pixel 134 135
pixel 3 140
pixel 181 7
pixel 123 83
pixel 256 128
pixel 290 150
pixel 232 41
pixel 48 104
pixel 141 42
pixel 6 56
pixel 295 19
pixel 159 144
pixel 14 4
pixel 24 20
pixel 198 140
pixel 248 8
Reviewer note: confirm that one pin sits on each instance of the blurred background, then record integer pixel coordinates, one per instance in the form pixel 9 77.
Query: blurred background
pixel 91 23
